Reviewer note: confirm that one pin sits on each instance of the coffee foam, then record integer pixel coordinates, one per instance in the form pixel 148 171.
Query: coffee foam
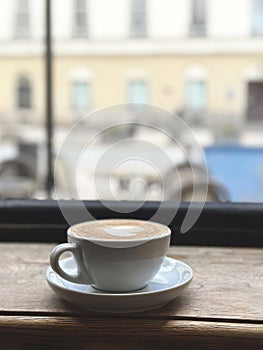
pixel 118 229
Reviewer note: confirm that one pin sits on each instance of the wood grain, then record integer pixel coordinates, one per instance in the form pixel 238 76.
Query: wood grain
pixel 223 305
pixel 100 333
pixel 227 284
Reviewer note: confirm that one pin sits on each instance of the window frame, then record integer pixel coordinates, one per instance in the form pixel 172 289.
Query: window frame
pixel 31 220
pixel 225 224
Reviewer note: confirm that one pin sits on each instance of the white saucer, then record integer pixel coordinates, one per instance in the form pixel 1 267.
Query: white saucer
pixel 169 283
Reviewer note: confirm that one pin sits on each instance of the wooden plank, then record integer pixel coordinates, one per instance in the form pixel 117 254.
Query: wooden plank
pixel 98 333
pixel 227 285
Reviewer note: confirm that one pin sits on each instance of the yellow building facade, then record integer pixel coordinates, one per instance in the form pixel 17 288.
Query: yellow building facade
pixel 166 77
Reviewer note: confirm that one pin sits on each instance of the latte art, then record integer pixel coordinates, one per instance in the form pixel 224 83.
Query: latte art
pixel 119 229
pixel 123 231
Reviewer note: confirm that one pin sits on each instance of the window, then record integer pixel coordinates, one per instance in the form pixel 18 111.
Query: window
pixel 204 80
pixel 138 92
pixel 165 55
pixel 80 95
pixel 196 95
pixel 24 94
pixel 257 17
pixel 22 20
pixel 80 19
pixel 198 18
pixel 138 18
pixel 254 104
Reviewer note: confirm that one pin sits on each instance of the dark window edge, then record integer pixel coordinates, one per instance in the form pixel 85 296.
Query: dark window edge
pixel 226 224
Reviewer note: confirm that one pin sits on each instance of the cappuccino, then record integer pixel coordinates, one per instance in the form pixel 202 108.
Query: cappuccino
pixel 116 255
pixel 119 229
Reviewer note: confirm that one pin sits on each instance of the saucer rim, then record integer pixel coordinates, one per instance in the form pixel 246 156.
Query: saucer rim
pixel 121 294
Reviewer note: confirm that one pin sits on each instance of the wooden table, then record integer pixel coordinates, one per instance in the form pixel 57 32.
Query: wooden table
pixel 221 309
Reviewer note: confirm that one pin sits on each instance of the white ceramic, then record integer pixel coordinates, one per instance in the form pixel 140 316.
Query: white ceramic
pixel 173 277
pixel 113 265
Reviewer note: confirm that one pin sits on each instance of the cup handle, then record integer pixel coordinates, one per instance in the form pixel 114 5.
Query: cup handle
pixel 81 276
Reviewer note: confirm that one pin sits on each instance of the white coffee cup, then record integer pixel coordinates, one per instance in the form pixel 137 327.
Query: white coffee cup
pixel 114 255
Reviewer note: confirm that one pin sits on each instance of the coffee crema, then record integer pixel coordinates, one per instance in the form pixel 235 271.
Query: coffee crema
pixel 118 229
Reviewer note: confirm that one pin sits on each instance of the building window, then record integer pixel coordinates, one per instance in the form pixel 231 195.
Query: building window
pixel 255 98
pixel 22 20
pixel 196 95
pixel 80 95
pixel 257 17
pixel 138 18
pixel 24 98
pixel 138 92
pixel 198 18
pixel 80 19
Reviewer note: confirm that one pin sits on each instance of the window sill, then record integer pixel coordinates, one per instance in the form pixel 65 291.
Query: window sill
pixel 221 307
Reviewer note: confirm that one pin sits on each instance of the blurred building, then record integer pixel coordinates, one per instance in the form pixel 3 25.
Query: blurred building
pixel 202 59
